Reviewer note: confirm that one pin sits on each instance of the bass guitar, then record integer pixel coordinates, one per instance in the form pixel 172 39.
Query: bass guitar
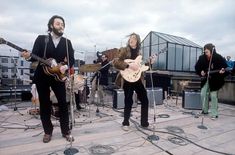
pixel 50 66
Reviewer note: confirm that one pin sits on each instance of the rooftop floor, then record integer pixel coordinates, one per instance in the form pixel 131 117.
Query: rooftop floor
pixel 101 133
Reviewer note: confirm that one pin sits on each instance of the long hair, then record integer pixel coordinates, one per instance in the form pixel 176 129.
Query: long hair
pixel 210 47
pixel 51 21
pixel 138 40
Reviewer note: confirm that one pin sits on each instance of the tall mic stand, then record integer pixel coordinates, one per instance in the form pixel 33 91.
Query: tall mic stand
pixel 97 97
pixel 153 137
pixel 14 83
pixel 71 150
pixel 202 126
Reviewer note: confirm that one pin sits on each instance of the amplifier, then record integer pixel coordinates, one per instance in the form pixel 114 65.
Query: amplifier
pixel 158 95
pixel 118 99
pixel 192 99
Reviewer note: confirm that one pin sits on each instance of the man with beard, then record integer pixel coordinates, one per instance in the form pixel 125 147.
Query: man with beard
pixel 211 82
pixel 60 49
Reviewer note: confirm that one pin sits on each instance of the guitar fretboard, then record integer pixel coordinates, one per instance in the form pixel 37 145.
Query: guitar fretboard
pixel 31 54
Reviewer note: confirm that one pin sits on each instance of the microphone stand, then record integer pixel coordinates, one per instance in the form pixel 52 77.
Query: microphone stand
pixel 153 137
pixel 14 82
pixel 202 126
pixel 71 150
pixel 97 97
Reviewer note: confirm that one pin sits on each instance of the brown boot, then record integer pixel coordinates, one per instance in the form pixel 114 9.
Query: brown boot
pixel 46 138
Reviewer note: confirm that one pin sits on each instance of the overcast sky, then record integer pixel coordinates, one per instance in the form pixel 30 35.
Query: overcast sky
pixel 104 24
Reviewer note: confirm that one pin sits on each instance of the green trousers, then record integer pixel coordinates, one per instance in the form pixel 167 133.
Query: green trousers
pixel 205 92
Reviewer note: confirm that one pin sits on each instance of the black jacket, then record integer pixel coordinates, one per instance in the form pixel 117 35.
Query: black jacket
pixel 59 53
pixel 104 72
pixel 216 80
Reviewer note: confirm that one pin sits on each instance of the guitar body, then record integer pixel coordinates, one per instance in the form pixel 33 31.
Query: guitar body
pixel 133 76
pixel 54 70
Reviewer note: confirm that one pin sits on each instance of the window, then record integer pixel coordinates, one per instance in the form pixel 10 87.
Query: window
pixel 186 57
pixel 193 58
pixel 4 60
pixel 171 57
pixel 4 69
pixel 154 39
pixel 178 57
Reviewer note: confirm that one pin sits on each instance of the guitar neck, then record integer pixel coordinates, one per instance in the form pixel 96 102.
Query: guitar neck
pixel 31 54
pixel 217 71
pixel 14 46
pixel 40 59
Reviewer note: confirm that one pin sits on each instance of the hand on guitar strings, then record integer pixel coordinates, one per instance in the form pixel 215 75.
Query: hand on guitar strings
pixel 133 66
pixel 25 54
pixel 203 73
pixel 222 71
pixel 63 69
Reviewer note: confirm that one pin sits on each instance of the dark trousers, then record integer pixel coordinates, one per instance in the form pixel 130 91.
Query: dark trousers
pixel 77 100
pixel 43 88
pixel 141 92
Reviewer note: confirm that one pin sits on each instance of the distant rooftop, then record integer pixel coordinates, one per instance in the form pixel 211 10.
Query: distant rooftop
pixel 176 39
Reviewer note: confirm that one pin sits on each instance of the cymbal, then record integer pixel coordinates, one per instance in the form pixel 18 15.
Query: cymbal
pixel 90 67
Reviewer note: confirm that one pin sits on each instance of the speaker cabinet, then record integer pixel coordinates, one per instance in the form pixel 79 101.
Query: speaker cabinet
pixel 192 99
pixel 158 95
pixel 118 99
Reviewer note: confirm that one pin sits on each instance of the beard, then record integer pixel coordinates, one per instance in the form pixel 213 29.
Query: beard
pixel 57 32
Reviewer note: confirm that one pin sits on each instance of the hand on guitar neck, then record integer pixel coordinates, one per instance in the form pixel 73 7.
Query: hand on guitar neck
pixel 25 54
pixel 221 71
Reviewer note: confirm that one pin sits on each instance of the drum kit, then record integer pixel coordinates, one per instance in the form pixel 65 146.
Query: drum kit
pixel 79 84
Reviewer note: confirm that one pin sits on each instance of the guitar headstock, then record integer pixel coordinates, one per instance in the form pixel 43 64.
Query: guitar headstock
pixel 2 41
pixel 161 51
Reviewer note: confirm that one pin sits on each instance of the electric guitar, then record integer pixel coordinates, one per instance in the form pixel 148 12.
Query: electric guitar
pixel 50 66
pixel 133 76
pixel 216 71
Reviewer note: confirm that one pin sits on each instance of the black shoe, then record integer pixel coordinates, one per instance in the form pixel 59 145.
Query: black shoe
pixel 79 107
pixel 145 125
pixel 204 113
pixel 125 123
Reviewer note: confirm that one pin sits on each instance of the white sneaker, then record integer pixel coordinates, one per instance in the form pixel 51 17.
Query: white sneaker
pixel 214 118
pixel 126 128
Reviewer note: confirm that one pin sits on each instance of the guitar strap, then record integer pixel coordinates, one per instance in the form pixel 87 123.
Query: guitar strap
pixel 45 48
